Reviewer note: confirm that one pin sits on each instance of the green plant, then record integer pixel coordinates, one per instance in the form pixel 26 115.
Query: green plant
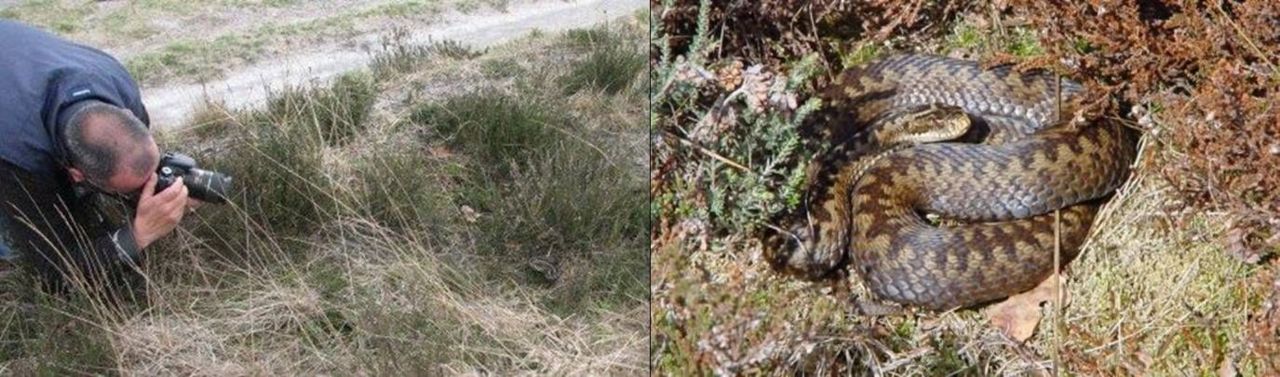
pixel 1024 43
pixel 501 68
pixel 402 189
pixel 276 159
pixel 611 65
pixel 494 127
pixel 327 116
pixel 755 161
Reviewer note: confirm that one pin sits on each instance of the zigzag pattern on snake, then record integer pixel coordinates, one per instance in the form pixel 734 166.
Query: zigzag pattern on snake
pixel 999 183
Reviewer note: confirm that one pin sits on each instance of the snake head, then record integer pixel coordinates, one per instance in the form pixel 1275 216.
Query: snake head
pixel 924 124
pixel 804 248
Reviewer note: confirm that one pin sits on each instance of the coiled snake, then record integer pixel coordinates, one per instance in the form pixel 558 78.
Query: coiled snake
pixel 996 182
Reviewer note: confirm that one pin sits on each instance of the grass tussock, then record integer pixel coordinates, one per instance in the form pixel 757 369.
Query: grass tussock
pixel 327 117
pixel 1156 290
pixel 373 242
pixel 398 56
pixel 531 195
pixel 495 128
pixel 277 156
pixel 540 214
pixel 396 193
pixel 611 65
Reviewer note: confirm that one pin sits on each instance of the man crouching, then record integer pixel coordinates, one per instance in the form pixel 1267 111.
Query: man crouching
pixel 73 129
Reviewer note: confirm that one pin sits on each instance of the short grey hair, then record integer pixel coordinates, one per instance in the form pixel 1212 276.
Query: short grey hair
pixel 98 156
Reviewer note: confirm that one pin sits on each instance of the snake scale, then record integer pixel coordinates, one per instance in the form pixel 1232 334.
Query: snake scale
pixel 997 184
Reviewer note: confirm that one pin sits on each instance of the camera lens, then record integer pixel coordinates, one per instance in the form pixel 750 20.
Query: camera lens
pixel 207 186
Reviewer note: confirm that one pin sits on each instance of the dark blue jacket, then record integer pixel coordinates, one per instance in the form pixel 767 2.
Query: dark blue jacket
pixel 40 76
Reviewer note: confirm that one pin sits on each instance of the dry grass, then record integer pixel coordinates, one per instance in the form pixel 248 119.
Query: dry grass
pixel 1152 296
pixel 402 300
pixel 366 242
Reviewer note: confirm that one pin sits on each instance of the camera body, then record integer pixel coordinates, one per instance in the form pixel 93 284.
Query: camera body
pixel 205 185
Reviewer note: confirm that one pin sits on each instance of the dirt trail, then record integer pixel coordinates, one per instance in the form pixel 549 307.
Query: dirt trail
pixel 169 105
pixel 208 21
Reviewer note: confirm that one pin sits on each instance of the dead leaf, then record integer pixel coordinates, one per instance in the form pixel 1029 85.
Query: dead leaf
pixel 439 152
pixel 1019 315
pixel 469 214
pixel 1146 359
pixel 1236 243
pixel 1228 369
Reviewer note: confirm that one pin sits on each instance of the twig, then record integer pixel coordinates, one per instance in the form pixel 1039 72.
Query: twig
pixel 995 16
pixel 603 155
pixel 1249 41
pixel 1057 294
pixel 1057 260
pixel 708 152
pixel 1128 123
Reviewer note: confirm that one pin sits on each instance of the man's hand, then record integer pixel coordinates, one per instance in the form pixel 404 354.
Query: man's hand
pixel 158 213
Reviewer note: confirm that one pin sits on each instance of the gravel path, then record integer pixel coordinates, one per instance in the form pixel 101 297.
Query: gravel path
pixel 170 105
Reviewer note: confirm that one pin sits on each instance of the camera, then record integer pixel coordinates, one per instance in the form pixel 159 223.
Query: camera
pixel 205 185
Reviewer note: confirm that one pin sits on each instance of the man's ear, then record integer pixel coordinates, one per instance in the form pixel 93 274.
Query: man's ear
pixel 77 176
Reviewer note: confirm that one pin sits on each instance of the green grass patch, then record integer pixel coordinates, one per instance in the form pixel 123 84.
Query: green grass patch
pixel 275 157
pixel 262 3
pixel 56 16
pixel 863 53
pixel 544 209
pixel 530 183
pixel 193 58
pixel 331 115
pixel 495 128
pixel 501 68
pixel 967 37
pixel 469 6
pixel 404 190
pixel 587 39
pixel 611 64
pixel 1023 42
pixel 44 334
pixel 404 9
pixel 280 185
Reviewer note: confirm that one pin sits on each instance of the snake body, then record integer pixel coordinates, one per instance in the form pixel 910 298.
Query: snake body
pixel 1000 183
